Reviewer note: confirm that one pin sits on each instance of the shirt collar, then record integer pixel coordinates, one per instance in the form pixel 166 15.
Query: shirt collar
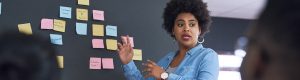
pixel 190 52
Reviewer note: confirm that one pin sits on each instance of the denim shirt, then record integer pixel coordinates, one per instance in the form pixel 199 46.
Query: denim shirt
pixel 199 63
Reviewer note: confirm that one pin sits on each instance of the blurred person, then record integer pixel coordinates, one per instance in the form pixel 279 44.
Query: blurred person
pixel 26 57
pixel 273 51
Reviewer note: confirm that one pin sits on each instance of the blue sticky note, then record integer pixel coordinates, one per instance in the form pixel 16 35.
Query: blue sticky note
pixel 65 12
pixel 111 30
pixel 56 39
pixel 0 8
pixel 81 28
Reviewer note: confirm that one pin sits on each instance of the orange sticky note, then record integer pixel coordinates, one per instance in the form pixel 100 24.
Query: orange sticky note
pixel 98 30
pixel 59 25
pixel 25 28
pixel 60 60
pixel 107 63
pixel 97 43
pixel 95 63
pixel 46 23
pixel 137 54
pixel 82 14
pixel 111 44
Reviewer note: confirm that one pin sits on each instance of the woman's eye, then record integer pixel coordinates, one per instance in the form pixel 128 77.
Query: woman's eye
pixel 192 25
pixel 180 25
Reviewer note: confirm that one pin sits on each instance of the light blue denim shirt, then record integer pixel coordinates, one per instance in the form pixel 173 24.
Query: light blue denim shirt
pixel 199 64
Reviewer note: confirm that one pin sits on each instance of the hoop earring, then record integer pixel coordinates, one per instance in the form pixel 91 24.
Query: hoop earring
pixel 201 41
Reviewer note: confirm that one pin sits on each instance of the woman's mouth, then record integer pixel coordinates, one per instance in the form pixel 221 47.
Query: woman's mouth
pixel 185 37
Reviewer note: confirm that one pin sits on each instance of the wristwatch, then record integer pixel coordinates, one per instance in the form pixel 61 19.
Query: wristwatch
pixel 164 75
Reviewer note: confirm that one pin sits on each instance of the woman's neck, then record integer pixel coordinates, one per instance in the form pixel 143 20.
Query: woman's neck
pixel 183 49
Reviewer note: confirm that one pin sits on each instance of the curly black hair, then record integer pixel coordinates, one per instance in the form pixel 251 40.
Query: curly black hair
pixel 195 7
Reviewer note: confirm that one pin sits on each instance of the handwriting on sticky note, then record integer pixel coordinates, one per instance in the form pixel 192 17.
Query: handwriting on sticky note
pixel 98 15
pixel 137 54
pixel 111 44
pixel 130 40
pixel 84 2
pixel 46 23
pixel 107 63
pixel 82 14
pixel 98 30
pixel 81 28
pixel 65 12
pixel 59 25
pixel 25 28
pixel 111 30
pixel 95 63
pixel 60 60
pixel 97 43
pixel 56 39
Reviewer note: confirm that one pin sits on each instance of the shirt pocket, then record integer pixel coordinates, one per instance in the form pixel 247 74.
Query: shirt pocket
pixel 189 71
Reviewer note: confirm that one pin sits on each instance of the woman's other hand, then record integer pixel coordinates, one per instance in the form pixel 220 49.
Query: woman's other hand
pixel 153 70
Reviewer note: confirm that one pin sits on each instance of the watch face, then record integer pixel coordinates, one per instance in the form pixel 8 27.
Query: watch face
pixel 164 75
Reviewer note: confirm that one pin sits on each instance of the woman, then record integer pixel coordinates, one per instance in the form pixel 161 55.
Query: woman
pixel 187 21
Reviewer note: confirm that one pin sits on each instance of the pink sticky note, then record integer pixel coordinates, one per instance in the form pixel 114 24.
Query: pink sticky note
pixel 130 40
pixel 46 23
pixel 97 43
pixel 107 63
pixel 95 63
pixel 98 15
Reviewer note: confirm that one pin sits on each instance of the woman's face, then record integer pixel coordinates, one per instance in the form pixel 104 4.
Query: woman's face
pixel 186 29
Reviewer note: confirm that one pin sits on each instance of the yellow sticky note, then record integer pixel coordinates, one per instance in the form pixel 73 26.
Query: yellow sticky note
pixel 25 28
pixel 111 44
pixel 82 14
pixel 137 54
pixel 59 25
pixel 98 30
pixel 60 60
pixel 84 2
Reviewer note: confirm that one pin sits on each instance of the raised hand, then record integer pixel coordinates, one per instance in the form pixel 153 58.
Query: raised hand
pixel 125 50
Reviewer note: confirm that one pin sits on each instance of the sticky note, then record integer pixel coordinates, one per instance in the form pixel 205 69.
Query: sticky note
pixel 84 2
pixel 111 44
pixel 65 12
pixel 60 61
pixel 46 23
pixel 98 15
pixel 0 8
pixel 98 30
pixel 82 14
pixel 107 63
pixel 25 28
pixel 111 30
pixel 81 28
pixel 137 54
pixel 56 39
pixel 130 40
pixel 97 43
pixel 95 63
pixel 59 25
